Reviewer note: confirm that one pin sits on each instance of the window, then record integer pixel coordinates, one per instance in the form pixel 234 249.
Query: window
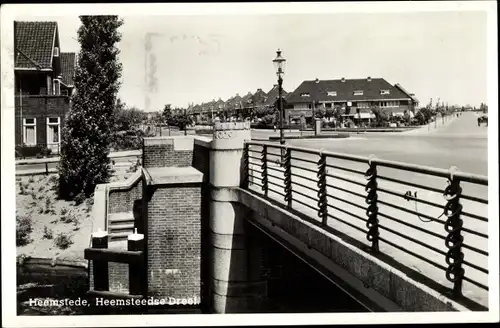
pixel 305 95
pixel 332 93
pixel 394 103
pixel 358 92
pixel 53 131
pixel 56 51
pixel 384 92
pixel 29 131
pixel 363 104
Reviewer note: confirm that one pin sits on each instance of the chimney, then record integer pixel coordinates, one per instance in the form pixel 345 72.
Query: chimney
pixel 317 80
pixel 369 79
pixel 259 89
pixel 342 79
pixel 237 94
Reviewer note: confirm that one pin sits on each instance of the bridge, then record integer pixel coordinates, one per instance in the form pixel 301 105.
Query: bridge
pixel 231 225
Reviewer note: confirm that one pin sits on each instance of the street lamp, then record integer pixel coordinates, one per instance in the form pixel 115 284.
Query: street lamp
pixel 279 65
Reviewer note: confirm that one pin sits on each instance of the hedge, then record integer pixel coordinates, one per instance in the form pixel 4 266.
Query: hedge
pixel 38 151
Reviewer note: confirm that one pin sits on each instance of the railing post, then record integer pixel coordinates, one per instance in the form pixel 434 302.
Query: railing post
pixel 322 194
pixel 288 176
pixel 246 167
pixel 454 239
pixel 263 167
pixel 372 210
pixel 136 270
pixel 100 268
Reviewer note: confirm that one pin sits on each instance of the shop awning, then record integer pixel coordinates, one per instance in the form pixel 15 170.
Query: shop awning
pixel 360 115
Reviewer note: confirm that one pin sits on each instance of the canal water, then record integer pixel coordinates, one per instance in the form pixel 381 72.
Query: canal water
pixel 315 294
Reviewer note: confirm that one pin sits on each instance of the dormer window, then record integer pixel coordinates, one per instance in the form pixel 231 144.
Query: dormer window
pixel 358 92
pixel 304 95
pixel 332 93
pixel 384 92
pixel 56 51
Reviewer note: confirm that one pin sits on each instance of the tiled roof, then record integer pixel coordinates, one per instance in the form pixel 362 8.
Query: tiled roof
pixel 318 91
pixel 68 67
pixel 34 42
pixel 259 97
pixel 412 96
pixel 272 95
pixel 246 100
pixel 219 104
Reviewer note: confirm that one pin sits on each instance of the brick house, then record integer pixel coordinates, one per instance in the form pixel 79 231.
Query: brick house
pixel 43 84
pixel 356 96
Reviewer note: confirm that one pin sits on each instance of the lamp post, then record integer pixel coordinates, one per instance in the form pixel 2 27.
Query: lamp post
pixel 279 65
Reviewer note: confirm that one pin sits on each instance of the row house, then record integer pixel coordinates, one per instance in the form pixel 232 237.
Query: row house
pixel 357 97
pixel 43 76
pixel 237 106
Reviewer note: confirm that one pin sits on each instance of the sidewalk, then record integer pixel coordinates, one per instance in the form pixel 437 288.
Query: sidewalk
pixel 433 126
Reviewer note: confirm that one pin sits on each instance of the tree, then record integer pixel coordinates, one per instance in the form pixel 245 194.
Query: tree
pixel 329 112
pixel 167 113
pixel 128 118
pixel 320 112
pixel 483 108
pixel 423 116
pixel 88 128
pixel 381 116
pixel 339 111
pixel 262 111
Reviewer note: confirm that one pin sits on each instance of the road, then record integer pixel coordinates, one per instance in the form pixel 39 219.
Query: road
pixel 459 142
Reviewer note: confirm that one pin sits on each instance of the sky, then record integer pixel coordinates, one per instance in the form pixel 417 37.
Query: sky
pixel 203 57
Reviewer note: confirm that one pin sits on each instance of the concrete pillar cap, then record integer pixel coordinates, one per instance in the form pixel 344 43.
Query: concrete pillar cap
pixel 99 233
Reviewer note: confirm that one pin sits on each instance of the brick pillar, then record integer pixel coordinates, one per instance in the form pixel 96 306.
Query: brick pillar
pixel 172 219
pixel 231 289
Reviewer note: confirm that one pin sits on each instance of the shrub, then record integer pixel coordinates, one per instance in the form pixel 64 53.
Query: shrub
pixel 49 206
pixel 134 167
pixel 64 210
pixel 23 151
pixel 24 228
pixel 31 179
pixel 22 189
pixel 204 131
pixel 80 198
pixel 70 217
pixel 62 241
pixel 53 179
pixel 47 233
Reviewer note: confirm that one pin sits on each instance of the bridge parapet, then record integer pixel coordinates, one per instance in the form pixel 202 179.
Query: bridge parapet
pixel 429 221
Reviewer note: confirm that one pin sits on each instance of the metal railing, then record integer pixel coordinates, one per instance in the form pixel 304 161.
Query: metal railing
pixel 45 162
pixel 367 198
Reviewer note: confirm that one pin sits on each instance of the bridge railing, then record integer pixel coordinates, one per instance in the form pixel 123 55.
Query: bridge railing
pixel 424 217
